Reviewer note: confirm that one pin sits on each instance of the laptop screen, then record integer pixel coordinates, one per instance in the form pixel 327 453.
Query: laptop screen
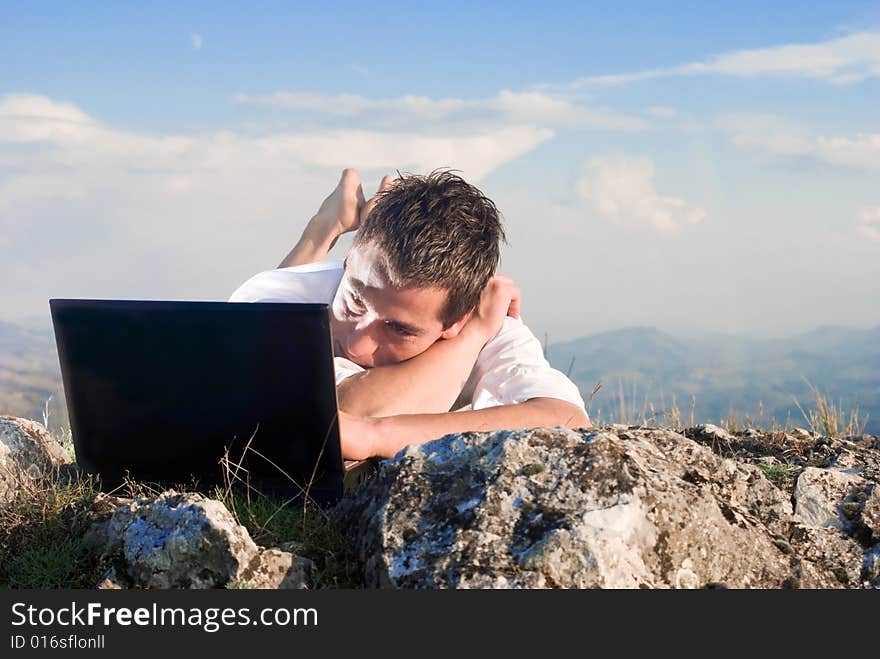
pixel 161 390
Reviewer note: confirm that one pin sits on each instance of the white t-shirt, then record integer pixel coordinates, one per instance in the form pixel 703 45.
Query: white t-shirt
pixel 510 369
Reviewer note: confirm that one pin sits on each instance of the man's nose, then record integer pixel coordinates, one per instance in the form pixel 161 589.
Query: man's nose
pixel 361 342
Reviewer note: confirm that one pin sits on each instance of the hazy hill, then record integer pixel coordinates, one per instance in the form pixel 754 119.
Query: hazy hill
pixel 726 374
pixel 30 375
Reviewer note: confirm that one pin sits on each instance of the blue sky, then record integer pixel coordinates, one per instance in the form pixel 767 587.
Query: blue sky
pixel 671 164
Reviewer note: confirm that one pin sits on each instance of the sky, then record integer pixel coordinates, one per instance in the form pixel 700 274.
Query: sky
pixel 690 166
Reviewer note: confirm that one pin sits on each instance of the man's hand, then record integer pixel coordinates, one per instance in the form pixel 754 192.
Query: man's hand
pixel 341 212
pixel 499 299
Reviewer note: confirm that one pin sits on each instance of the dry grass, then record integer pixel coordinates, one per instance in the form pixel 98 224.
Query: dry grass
pixel 823 418
pixel 271 521
pixel 628 410
pixel 831 420
pixel 41 531
pixel 41 543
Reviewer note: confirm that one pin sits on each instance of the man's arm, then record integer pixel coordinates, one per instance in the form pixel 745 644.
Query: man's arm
pixel 313 246
pixel 385 437
pixel 428 382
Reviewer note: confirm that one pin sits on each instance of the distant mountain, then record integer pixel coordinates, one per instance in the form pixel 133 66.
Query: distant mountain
pixel 643 350
pixel 725 375
pixel 30 377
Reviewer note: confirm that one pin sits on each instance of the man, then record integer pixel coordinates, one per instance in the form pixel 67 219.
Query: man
pixel 421 323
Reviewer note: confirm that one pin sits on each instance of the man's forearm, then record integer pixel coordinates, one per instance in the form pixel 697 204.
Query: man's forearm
pixel 396 432
pixel 428 382
pixel 316 241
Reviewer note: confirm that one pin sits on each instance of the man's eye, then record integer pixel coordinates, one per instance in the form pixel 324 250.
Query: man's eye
pixel 356 303
pixel 400 331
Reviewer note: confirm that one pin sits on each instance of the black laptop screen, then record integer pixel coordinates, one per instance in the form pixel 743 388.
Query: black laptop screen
pixel 161 389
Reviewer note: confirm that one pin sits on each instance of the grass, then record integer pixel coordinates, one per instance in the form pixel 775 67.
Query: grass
pixel 55 566
pixel 271 523
pixel 41 543
pixel 42 529
pixel 781 475
pixel 831 420
pixel 822 418
pixel 631 412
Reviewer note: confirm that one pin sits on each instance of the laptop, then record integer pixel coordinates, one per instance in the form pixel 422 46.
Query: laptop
pixel 200 394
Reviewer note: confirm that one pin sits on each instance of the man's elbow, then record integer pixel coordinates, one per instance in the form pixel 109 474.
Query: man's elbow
pixel 577 417
pixel 358 405
pixel 352 400
pixel 563 413
pixel 355 396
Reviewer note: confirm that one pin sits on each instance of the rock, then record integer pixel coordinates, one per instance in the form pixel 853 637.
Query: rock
pixel 871 513
pixel 109 581
pixel 282 570
pixel 189 541
pixel 27 452
pixel 710 430
pixel 871 569
pixel 292 546
pixel 834 555
pixel 98 509
pixel 819 494
pixel 552 507
pixel 707 433
pixel 858 455
pixel 848 462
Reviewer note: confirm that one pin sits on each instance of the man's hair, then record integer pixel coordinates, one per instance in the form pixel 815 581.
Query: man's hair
pixel 437 231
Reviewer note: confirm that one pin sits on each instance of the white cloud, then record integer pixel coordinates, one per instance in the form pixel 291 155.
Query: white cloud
pixel 868 224
pixel 517 107
pixel 69 136
pixel 844 60
pixel 621 189
pixel 475 155
pixel 777 136
pixel 861 151
pixel 662 112
pixel 111 212
pixel 196 40
pixel 28 118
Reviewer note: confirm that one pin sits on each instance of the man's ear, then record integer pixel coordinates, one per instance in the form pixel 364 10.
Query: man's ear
pixel 456 327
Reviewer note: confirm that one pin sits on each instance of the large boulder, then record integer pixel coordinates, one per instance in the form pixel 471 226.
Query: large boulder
pixel 27 453
pixel 187 541
pixel 618 508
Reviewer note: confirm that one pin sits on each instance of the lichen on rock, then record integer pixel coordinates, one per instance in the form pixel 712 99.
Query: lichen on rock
pixel 620 507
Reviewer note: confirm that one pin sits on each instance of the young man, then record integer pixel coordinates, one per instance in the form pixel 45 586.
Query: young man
pixel 427 338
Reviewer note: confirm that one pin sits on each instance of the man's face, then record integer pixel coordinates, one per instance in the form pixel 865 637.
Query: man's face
pixel 376 324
